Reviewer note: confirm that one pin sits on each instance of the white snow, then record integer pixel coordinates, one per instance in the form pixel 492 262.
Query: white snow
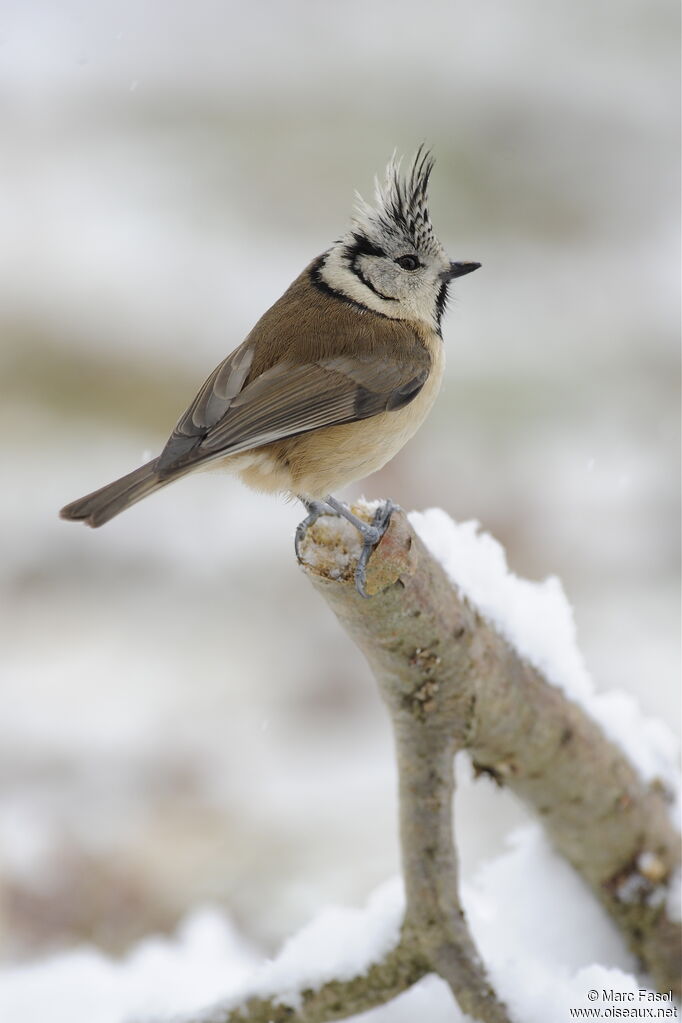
pixel 337 945
pixel 545 939
pixel 205 960
pixel 537 620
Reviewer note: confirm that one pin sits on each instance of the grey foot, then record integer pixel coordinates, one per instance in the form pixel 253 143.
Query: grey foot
pixel 380 522
pixel 371 534
pixel 315 510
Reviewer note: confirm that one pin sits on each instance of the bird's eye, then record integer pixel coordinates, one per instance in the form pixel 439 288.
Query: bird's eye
pixel 408 262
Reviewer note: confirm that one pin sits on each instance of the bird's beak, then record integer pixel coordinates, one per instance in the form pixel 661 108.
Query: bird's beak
pixel 458 270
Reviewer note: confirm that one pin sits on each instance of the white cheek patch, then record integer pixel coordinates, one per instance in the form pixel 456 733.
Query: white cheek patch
pixel 337 274
pixel 418 305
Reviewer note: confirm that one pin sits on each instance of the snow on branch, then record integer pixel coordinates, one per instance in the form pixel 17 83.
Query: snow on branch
pixel 537 620
pixel 346 961
pixel 489 665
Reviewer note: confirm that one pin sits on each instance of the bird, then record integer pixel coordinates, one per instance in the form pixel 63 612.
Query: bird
pixel 333 379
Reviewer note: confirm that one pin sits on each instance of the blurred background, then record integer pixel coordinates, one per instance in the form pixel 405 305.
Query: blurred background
pixel 181 721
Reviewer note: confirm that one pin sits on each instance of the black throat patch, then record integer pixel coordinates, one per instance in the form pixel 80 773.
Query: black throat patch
pixel 441 304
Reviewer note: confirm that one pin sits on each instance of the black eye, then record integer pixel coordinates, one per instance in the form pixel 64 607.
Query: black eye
pixel 408 262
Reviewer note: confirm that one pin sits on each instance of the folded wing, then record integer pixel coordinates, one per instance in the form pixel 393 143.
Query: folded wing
pixel 229 415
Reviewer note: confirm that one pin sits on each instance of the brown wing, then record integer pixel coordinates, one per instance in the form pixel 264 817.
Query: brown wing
pixel 311 361
pixel 227 417
pixel 209 406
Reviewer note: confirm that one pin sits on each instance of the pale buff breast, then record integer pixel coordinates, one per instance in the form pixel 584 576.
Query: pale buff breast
pixel 318 463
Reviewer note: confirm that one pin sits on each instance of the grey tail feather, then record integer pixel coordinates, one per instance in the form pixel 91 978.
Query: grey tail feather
pixel 97 508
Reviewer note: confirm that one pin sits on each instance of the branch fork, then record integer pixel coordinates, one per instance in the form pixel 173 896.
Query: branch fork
pixel 450 682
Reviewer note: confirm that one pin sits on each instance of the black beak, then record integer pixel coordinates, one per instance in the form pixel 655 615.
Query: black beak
pixel 458 270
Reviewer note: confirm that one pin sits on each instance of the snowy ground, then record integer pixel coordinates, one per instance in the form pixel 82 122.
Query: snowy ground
pixel 547 944
pixel 540 932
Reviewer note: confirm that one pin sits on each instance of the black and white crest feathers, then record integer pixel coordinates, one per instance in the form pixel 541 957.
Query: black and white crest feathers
pixel 401 206
pixel 390 260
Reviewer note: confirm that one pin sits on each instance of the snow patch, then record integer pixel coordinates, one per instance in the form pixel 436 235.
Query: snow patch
pixel 339 944
pixel 203 962
pixel 537 620
pixel 546 941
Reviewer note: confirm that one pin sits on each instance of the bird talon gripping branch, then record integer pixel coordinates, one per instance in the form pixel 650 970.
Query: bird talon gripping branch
pixel 315 510
pixel 380 523
pixel 334 378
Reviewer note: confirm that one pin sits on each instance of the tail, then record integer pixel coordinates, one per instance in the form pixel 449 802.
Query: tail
pixel 97 508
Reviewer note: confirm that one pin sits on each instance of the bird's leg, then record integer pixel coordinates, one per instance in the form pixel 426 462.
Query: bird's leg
pixel 314 509
pixel 371 534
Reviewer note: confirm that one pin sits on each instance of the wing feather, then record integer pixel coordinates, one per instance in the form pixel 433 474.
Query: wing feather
pixel 230 415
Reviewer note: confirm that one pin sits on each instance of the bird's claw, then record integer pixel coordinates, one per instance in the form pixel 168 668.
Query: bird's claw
pixel 315 510
pixel 372 534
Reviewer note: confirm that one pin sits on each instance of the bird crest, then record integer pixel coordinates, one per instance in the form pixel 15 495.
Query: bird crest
pixel 400 209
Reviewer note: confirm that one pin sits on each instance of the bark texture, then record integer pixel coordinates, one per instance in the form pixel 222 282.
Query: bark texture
pixel 338 999
pixel 452 682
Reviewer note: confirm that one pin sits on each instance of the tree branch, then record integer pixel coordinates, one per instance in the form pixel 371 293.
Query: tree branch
pixel 402 967
pixel 452 682
pixel 434 916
